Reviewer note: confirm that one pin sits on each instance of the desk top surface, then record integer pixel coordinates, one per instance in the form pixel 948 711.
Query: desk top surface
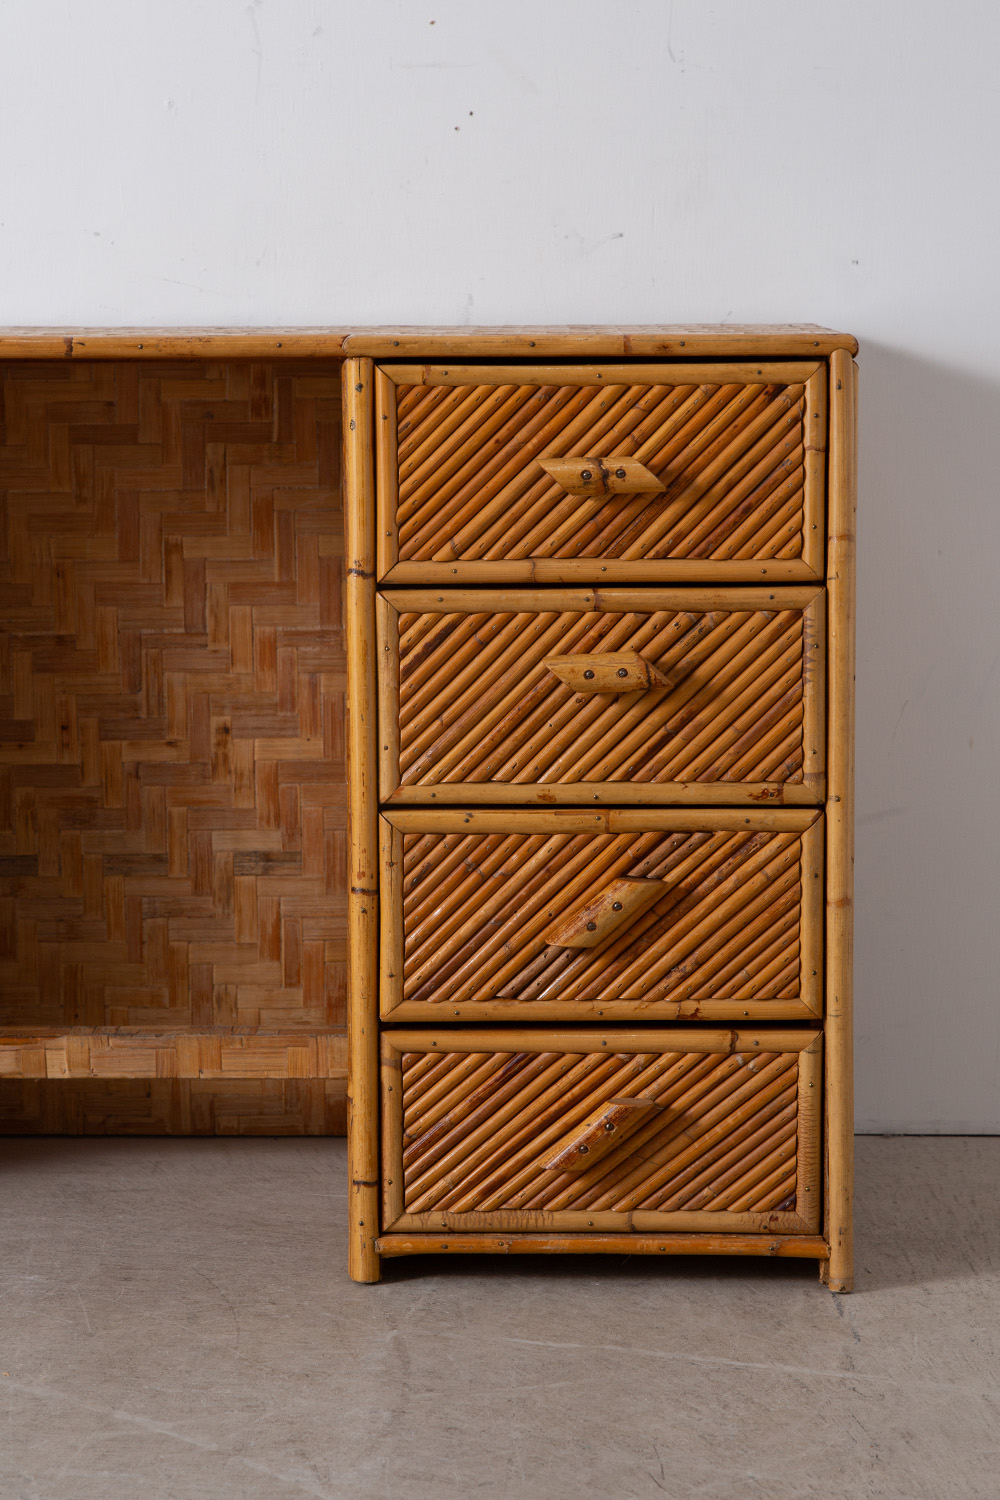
pixel 674 340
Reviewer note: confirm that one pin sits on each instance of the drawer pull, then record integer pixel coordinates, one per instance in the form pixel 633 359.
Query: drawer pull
pixel 597 918
pixel 614 672
pixel 595 478
pixel 601 1132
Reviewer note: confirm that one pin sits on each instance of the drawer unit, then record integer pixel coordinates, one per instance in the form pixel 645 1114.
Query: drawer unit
pixel 646 1131
pixel 600 673
pixel 574 915
pixel 617 695
pixel 557 473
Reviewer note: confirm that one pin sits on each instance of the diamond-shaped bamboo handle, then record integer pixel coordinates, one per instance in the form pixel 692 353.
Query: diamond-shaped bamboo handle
pixel 596 478
pixel 595 919
pixel 610 672
pixel 601 1132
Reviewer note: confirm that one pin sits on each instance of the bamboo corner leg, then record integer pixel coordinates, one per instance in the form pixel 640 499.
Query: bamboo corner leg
pixel 834 1283
pixel 363 1260
pixel 362 906
pixel 840 825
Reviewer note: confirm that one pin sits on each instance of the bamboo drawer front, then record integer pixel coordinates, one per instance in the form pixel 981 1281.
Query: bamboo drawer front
pixel 553 474
pixel 617 695
pixel 583 916
pixel 641 1130
pixel 600 671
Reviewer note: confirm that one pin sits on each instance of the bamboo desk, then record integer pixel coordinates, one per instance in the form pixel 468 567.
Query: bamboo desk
pixel 600 659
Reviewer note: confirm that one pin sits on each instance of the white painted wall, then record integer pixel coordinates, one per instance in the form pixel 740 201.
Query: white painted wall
pixel 295 161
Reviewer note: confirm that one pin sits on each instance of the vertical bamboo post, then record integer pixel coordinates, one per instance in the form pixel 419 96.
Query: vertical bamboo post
pixel 387 476
pixel 838 1272
pixel 362 923
pixel 813 495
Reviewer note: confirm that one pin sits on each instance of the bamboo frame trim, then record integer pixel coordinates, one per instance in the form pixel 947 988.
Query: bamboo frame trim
pixel 804 1247
pixel 386 475
pixel 683 340
pixel 623 1039
pixel 644 793
pixel 393 1175
pixel 581 570
pixel 809 1137
pixel 730 373
pixel 172 343
pixel 557 820
pixel 814 488
pixel 391 906
pixel 638 1221
pixel 387 645
pixel 814 713
pixel 811 918
pixel 600 1012
pixel 391 1074
pixel 516 601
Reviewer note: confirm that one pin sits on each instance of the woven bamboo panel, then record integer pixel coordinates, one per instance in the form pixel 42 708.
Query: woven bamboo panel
pixel 735 931
pixel 477 703
pixel 172 826
pixel 734 455
pixel 728 1135
pixel 135 1052
pixel 173 1106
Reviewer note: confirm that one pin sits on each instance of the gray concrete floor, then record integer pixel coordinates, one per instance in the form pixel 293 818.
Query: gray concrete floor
pixel 177 1323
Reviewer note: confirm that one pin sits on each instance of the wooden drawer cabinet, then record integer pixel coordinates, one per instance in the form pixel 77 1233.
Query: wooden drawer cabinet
pixel 576 915
pixel 553 474
pixel 620 1132
pixel 616 695
pixel 600 645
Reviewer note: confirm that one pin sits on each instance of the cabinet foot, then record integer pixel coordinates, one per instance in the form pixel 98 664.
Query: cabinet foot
pixel 364 1263
pixel 843 1281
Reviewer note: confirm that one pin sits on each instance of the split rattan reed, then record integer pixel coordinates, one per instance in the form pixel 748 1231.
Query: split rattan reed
pixel 600 652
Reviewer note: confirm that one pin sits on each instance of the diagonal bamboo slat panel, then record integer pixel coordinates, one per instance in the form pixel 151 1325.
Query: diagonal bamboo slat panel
pixel 738 697
pixel 729 455
pixel 732 926
pixel 728 1138
pixel 172 784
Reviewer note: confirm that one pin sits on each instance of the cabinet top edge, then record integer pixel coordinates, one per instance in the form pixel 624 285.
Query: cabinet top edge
pixel 409 341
